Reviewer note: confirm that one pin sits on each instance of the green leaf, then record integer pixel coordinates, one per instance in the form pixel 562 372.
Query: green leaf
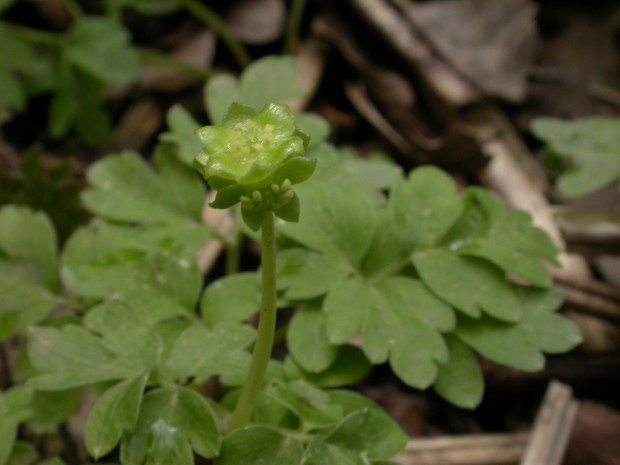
pixel 303 274
pixel 510 241
pixel 182 134
pixel 125 188
pixel 29 236
pixel 546 329
pixel 309 404
pixel 51 408
pixel 349 367
pixel 172 422
pixel 339 221
pixel 231 298
pixel 8 430
pixel 364 434
pixel 460 380
pixel 590 145
pixel 71 357
pixel 102 259
pixel 115 412
pixel 200 353
pixel 315 127
pixel 110 60
pixel 23 303
pixel 23 453
pixel 424 206
pixel 307 340
pixel 344 167
pixel 346 307
pixel 259 445
pixel 500 342
pixel 268 80
pixel 392 329
pixel 141 309
pixel 452 279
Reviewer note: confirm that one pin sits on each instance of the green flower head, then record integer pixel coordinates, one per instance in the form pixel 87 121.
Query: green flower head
pixel 254 158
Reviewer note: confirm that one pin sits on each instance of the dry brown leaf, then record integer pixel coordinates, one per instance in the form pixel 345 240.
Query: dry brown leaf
pixel 257 21
pixel 491 43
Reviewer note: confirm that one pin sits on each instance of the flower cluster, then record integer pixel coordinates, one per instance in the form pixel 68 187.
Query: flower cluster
pixel 255 158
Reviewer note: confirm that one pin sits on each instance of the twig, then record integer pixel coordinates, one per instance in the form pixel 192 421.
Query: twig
pixel 552 427
pixel 485 449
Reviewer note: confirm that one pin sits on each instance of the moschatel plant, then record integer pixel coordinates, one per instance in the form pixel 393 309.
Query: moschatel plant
pixel 372 267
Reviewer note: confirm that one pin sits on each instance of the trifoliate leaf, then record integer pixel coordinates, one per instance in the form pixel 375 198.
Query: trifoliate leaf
pixel 349 367
pixel 23 303
pixel 110 60
pixel 220 92
pixel 200 353
pixel 182 133
pixel 102 259
pixel 500 342
pixel 511 241
pixel 311 405
pixel 424 206
pixel 231 298
pixel 28 236
pixel 8 430
pixel 337 221
pixel 303 274
pixel 125 188
pixel 452 278
pixel 172 422
pixel 392 329
pixel 589 144
pixel 259 445
pixel 362 435
pixel 346 307
pixel 141 309
pixel 71 357
pixel 51 408
pixel 460 380
pixel 344 167
pixel 268 80
pixel 114 413
pixel 307 340
pixel 544 327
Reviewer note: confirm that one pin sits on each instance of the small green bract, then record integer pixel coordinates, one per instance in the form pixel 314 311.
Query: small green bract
pixel 255 158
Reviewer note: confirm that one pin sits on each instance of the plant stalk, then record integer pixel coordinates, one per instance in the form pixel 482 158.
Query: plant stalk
pixel 212 20
pixel 266 328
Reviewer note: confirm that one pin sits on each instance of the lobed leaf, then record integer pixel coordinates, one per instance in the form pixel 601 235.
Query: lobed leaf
pixel 452 278
pixel 231 298
pixel 200 353
pixel 114 413
pixel 71 357
pixel 590 145
pixel 110 60
pixel 172 423
pixel 424 206
pixel 124 188
pixel 258 445
pixel 510 241
pixel 182 134
pixel 30 237
pixel 460 380
pixel 307 340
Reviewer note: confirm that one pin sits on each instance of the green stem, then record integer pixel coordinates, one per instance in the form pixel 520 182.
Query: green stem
pixel 266 328
pixel 212 20
pixel 390 270
pixel 32 35
pixel 166 61
pixel 294 22
pixel 73 8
